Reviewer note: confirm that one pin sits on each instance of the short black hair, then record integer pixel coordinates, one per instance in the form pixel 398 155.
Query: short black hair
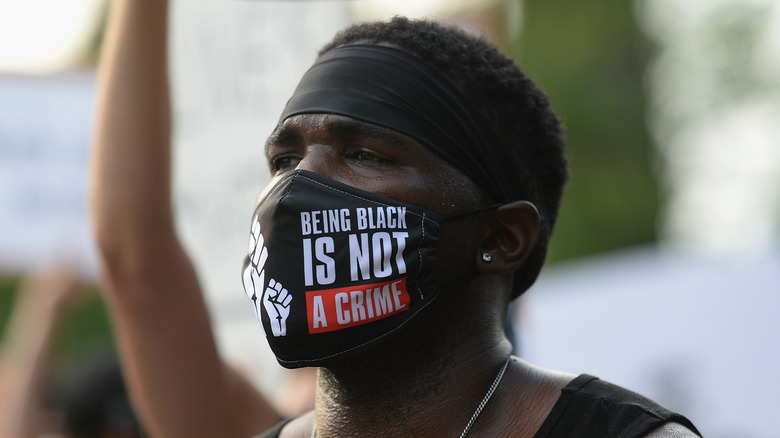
pixel 516 109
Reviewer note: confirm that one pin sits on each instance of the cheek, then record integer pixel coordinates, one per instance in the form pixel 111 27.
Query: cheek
pixel 455 252
pixel 451 192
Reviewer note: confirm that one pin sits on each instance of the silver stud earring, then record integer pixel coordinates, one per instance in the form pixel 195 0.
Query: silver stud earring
pixel 487 257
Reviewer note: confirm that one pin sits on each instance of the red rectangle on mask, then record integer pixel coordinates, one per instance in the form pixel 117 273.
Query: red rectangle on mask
pixel 335 309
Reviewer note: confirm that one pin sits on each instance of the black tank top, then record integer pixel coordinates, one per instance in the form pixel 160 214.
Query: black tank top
pixel 591 408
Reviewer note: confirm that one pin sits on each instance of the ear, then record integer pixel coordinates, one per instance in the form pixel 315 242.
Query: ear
pixel 511 238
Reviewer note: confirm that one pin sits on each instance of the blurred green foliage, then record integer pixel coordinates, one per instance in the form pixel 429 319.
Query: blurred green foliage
pixel 7 286
pixel 590 58
pixel 89 329
pixel 86 329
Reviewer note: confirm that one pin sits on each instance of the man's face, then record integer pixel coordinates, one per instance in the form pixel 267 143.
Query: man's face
pixel 370 158
pixel 306 279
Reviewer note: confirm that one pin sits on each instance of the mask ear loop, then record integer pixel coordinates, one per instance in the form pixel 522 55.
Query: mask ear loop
pixel 470 212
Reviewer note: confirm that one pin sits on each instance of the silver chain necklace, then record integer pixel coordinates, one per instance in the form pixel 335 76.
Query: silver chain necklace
pixel 476 413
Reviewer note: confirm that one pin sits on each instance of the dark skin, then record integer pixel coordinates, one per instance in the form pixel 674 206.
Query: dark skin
pixel 434 374
pixel 365 156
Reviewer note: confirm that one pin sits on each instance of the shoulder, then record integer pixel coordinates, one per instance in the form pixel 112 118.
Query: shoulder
pixel 656 420
pixel 589 406
pixel 672 430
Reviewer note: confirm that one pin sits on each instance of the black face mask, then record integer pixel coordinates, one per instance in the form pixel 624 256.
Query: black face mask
pixel 333 270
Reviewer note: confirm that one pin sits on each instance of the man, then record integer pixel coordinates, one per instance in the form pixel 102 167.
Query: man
pixel 416 179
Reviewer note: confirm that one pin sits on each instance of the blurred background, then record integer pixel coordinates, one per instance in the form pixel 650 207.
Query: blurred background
pixel 664 271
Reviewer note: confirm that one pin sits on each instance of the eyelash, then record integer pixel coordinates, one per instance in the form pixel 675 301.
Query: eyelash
pixel 276 165
pixel 364 155
pixel 284 162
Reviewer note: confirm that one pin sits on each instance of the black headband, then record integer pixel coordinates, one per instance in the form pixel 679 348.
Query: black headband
pixel 393 89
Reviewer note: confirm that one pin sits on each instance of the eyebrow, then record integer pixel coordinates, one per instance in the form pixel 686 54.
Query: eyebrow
pixel 351 127
pixel 346 127
pixel 282 134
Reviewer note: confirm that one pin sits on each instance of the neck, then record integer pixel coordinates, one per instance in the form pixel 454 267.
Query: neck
pixel 426 382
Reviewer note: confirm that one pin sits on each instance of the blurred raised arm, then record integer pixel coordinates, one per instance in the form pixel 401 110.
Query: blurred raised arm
pixel 178 383
pixel 42 305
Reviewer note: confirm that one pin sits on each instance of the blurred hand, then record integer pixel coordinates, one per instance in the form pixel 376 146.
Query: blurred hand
pixel 52 290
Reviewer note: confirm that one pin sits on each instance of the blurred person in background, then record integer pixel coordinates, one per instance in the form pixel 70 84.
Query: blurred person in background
pixel 93 401
pixel 440 364
pixel 89 403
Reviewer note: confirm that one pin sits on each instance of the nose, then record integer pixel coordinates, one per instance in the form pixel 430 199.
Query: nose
pixel 320 159
pixel 322 149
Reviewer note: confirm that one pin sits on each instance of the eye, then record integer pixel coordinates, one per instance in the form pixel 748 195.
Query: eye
pixel 368 156
pixel 284 162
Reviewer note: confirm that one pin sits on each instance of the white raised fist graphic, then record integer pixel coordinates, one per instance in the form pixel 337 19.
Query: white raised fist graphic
pixel 254 272
pixel 276 299
pixel 277 304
